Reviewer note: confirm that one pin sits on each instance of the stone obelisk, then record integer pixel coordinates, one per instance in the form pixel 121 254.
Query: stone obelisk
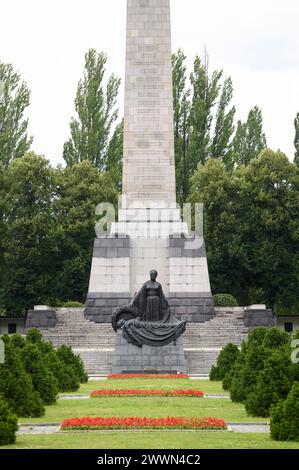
pixel 123 259
pixel 149 163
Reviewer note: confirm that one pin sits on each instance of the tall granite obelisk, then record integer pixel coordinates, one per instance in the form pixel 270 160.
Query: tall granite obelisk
pixel 149 233
pixel 149 163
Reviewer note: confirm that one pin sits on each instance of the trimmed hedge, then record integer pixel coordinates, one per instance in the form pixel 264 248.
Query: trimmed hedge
pixel 8 424
pixel 225 300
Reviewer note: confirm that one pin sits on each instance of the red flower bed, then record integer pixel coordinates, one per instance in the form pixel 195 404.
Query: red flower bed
pixel 146 393
pixel 142 423
pixel 148 376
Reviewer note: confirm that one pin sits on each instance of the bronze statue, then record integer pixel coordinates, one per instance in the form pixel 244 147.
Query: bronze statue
pixel 148 319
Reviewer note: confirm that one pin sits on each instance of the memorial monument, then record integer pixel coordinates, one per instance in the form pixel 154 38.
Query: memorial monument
pixel 149 233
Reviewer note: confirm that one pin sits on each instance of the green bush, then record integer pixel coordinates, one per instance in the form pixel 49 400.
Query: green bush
pixel 67 379
pixel 66 355
pixel 17 341
pixel 225 362
pixel 16 386
pixel 284 422
pixel 274 383
pixel 73 304
pixel 247 372
pixel 8 424
pixel 225 300
pixel 44 382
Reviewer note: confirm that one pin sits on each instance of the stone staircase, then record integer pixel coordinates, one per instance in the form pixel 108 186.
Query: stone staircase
pixel 95 342
pixel 204 341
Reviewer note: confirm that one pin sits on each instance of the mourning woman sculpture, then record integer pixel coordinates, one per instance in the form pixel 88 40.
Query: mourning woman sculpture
pixel 148 319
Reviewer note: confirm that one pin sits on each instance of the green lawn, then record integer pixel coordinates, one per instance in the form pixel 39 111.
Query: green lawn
pixel 204 385
pixel 146 440
pixel 151 407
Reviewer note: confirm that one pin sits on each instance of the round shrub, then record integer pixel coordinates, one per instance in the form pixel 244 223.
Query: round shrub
pixel 225 300
pixel 284 423
pixel 73 304
pixel 8 424
pixel 225 361
pixel 66 355
pixel 16 386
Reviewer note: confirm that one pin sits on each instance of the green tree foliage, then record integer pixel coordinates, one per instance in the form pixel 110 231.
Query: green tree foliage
pixel 115 156
pixel 249 140
pixel 221 144
pixel 251 226
pixel 203 119
pixel 68 381
pixel 14 99
pixel 296 140
pixel 274 383
pixel 16 386
pixel 30 249
pixel 66 355
pixel 284 422
pixel 181 109
pixel 205 92
pixel 95 108
pixel 8 424
pixel 44 382
pixel 48 231
pixel 226 360
pixel 225 300
pixel 263 373
pixel 82 188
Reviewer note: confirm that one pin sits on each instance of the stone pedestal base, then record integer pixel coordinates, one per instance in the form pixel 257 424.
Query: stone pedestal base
pixel 162 360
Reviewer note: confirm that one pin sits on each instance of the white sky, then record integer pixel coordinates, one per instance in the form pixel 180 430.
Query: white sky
pixel 256 42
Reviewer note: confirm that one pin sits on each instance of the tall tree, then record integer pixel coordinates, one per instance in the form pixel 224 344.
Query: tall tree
pixel 30 251
pixel 81 189
pixel 181 109
pixel 14 99
pixel 115 155
pixel 296 140
pixel 221 145
pixel 249 140
pixel 95 107
pixel 205 92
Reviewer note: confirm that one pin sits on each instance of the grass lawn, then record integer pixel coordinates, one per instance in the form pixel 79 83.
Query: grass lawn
pixel 148 406
pixel 151 407
pixel 205 386
pixel 146 440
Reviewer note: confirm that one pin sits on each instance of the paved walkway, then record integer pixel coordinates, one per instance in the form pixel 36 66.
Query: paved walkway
pixel 86 397
pixel 245 428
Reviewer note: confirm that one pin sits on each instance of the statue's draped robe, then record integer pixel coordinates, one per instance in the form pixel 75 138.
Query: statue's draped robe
pixel 155 325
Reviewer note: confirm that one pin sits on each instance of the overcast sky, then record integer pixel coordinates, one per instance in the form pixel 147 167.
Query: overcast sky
pixel 256 42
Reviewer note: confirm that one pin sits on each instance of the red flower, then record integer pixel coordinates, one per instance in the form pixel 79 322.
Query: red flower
pixel 138 422
pixel 148 376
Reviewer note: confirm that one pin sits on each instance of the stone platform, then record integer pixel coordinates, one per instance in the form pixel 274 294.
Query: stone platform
pixel 158 360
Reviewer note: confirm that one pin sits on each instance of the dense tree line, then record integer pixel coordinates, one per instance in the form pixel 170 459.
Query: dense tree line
pixel 47 215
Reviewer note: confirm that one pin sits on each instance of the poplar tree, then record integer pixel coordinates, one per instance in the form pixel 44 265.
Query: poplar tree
pixel 96 113
pixel 14 100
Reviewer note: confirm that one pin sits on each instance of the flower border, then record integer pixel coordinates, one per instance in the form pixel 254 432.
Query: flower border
pixel 148 376
pixel 135 422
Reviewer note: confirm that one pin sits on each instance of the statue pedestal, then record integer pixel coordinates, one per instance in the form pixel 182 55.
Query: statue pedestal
pixel 157 360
